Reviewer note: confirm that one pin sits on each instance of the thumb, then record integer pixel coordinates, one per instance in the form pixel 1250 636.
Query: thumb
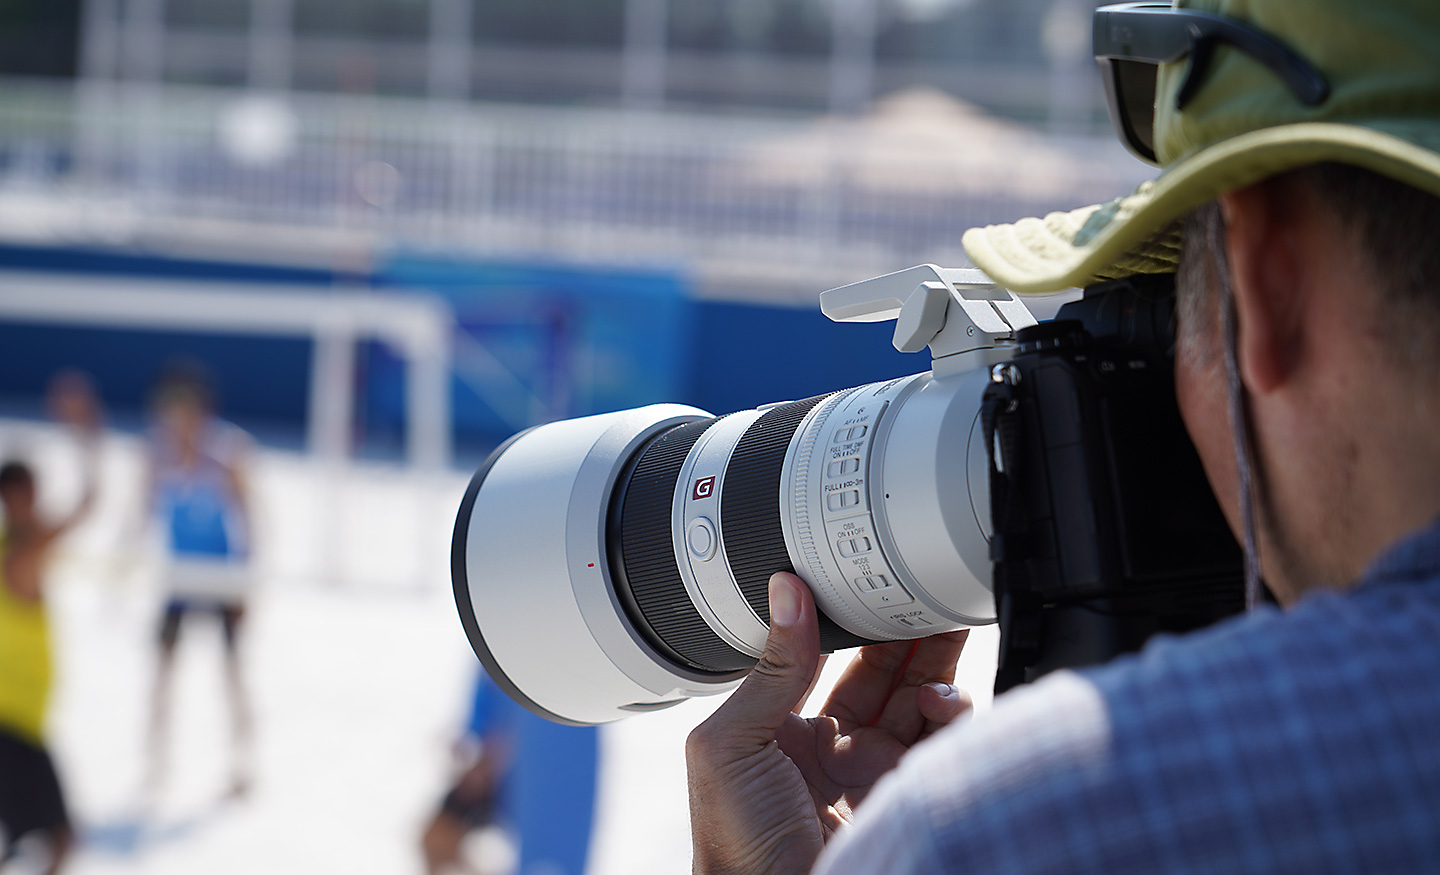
pixel 782 677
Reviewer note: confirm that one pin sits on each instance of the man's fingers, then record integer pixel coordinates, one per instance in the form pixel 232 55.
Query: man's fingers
pixel 936 656
pixel 933 662
pixel 864 691
pixel 814 681
pixel 940 704
pixel 864 688
pixel 784 674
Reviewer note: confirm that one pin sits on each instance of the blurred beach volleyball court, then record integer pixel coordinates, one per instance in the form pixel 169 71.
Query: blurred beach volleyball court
pixel 357 665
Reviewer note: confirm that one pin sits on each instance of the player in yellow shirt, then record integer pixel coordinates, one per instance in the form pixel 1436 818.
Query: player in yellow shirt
pixel 30 797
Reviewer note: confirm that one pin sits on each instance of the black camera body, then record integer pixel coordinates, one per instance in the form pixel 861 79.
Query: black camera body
pixel 1105 530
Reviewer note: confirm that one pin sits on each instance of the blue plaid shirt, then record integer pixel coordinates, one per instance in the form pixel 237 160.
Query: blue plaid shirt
pixel 1306 740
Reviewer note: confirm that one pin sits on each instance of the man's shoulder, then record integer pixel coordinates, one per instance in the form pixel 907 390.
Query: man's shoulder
pixel 1315 722
pixel 1349 652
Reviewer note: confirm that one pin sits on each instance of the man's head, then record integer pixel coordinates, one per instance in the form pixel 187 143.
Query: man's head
pixel 17 491
pixel 183 401
pixel 1391 226
pixel 1336 292
pixel 1309 209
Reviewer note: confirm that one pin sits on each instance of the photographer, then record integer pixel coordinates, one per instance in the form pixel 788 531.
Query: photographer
pixel 1300 203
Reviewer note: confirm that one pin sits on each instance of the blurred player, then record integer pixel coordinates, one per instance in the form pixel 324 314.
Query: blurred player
pixel 31 802
pixel 196 486
pixel 532 777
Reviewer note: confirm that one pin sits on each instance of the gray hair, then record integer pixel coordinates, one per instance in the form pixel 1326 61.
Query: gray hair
pixel 1395 227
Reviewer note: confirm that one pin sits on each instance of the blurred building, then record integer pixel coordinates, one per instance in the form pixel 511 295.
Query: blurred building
pixel 793 54
pixel 602 192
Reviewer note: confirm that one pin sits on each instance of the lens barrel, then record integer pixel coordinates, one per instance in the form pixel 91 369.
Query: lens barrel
pixel 649 579
pixel 620 563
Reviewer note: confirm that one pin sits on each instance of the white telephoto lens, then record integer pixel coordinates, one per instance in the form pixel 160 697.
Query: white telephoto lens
pixel 531 577
pixel 620 563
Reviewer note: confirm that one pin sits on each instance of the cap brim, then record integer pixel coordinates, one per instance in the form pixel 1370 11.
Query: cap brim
pixel 1137 235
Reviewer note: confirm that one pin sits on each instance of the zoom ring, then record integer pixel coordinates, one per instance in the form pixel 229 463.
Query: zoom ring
pixel 750 514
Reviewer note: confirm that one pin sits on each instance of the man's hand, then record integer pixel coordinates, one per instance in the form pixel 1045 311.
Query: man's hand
pixel 767 787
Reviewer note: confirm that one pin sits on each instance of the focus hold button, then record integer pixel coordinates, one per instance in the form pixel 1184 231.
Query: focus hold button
pixel 700 538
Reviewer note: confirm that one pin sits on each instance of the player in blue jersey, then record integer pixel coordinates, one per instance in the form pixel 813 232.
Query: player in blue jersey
pixel 530 776
pixel 197 489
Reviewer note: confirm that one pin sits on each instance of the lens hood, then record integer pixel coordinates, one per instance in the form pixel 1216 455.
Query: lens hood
pixel 532 582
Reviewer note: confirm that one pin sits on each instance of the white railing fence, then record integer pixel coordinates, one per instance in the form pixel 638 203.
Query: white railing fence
pixel 896 186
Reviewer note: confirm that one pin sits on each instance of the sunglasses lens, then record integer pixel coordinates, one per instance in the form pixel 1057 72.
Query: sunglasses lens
pixel 1135 94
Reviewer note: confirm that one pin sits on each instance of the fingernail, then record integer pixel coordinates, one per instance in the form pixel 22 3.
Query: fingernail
pixel 944 689
pixel 784 602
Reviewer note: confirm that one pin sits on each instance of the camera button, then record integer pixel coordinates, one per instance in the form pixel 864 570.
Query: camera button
pixel 700 538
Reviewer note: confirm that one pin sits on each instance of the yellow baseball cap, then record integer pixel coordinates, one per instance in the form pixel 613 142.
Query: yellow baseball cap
pixel 1243 89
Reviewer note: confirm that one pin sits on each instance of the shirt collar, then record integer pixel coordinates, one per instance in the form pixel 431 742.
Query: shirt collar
pixel 1414 557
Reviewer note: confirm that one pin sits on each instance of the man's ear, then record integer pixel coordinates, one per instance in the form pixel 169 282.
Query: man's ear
pixel 1267 275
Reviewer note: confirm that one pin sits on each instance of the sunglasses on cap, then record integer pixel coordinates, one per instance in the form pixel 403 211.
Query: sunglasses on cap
pixel 1132 40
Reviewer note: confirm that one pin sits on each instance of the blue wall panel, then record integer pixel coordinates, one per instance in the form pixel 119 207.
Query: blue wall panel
pixel 263 383
pixel 748 355
pixel 579 339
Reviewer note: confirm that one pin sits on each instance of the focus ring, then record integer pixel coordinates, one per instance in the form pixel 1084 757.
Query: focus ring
pixel 647 578
pixel 750 514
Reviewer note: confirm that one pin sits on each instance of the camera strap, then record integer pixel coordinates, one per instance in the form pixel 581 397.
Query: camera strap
pixel 1239 420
